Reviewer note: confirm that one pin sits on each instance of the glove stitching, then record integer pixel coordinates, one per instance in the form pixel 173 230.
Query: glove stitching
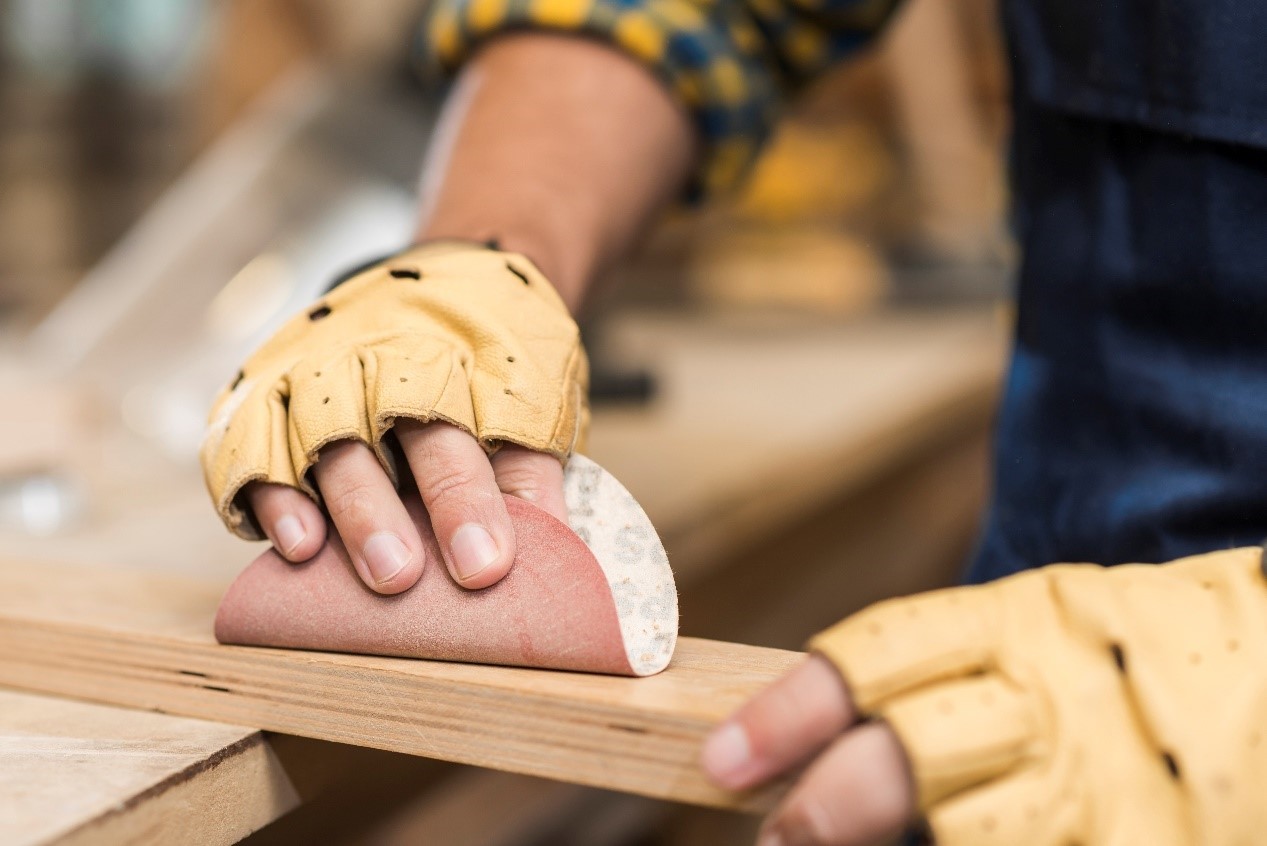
pixel 386 421
pixel 578 396
pixel 576 430
pixel 245 525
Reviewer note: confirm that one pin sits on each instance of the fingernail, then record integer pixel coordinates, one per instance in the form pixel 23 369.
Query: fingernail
pixel 473 550
pixel 726 753
pixel 289 533
pixel 385 556
pixel 770 838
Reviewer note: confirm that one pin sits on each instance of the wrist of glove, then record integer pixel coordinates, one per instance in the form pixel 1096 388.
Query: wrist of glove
pixel 470 336
pixel 1077 704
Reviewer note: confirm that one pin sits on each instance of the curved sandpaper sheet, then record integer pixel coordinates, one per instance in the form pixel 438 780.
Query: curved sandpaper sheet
pixel 596 597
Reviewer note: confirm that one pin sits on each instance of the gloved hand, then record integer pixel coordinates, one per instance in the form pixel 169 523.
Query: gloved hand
pixel 446 333
pixel 1069 704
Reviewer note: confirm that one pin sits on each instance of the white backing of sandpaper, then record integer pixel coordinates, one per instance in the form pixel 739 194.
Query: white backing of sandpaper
pixel 619 533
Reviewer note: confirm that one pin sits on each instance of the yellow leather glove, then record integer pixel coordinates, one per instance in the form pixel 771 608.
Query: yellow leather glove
pixel 1076 704
pixel 454 332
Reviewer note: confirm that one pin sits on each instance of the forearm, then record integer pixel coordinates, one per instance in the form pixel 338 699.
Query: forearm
pixel 559 148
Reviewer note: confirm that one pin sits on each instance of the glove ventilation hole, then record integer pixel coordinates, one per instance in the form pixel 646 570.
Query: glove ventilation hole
pixel 523 277
pixel 319 313
pixel 1119 657
pixel 1172 766
pixel 405 273
pixel 237 380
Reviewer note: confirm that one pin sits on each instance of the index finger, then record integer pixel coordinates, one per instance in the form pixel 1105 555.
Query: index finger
pixel 780 728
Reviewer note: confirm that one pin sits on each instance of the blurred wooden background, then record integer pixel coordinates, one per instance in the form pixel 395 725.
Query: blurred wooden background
pixel 889 167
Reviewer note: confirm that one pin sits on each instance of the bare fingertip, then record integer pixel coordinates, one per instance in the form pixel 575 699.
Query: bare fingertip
pixel 727 756
pixel 485 578
pixel 289 535
pixel 403 579
pixel 479 559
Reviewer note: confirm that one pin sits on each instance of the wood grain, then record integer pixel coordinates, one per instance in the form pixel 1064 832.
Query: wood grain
pixel 145 641
pixel 65 765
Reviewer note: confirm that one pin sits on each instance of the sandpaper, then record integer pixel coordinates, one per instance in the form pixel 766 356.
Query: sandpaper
pixel 595 596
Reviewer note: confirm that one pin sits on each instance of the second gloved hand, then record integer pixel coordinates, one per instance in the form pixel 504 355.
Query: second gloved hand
pixel 1077 704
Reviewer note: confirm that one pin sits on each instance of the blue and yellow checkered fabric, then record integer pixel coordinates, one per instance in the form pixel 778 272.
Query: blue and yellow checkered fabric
pixel 727 61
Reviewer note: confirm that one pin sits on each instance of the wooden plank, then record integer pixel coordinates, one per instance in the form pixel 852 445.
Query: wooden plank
pixel 145 641
pixel 65 765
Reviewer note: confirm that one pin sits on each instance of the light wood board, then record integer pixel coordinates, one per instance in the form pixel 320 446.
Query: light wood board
pixel 64 766
pixel 144 641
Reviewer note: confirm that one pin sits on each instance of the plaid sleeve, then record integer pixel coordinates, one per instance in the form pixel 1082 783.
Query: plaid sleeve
pixel 727 61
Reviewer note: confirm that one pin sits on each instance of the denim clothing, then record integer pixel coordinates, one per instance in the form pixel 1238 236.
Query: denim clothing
pixel 1134 422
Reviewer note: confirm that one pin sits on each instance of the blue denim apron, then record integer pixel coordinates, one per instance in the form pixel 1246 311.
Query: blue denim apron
pixel 1134 420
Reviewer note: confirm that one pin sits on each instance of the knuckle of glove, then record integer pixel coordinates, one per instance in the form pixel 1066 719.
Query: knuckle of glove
pixel 470 336
pixel 235 451
pixel 921 664
pixel 899 644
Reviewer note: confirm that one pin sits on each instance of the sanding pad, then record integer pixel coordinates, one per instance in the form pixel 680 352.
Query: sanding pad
pixel 596 597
